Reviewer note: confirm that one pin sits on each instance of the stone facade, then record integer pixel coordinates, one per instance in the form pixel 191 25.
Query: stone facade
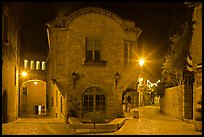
pixel 196 53
pixel 67 38
pixel 182 103
pixel 172 103
pixel 11 19
pixel 195 59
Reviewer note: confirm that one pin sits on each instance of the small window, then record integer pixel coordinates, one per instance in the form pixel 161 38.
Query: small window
pixel 32 64
pixel 128 52
pixel 93 48
pixel 37 65
pixel 52 101
pixel 25 64
pixel 43 65
pixel 5 29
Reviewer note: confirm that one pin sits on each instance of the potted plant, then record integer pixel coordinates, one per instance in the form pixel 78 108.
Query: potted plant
pixel 198 118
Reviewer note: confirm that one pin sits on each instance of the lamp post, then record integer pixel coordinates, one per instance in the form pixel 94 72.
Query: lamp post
pixel 141 63
pixel 75 77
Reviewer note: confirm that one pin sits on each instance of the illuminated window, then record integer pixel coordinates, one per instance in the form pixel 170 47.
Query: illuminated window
pixel 43 65
pixel 128 52
pixel 25 64
pixel 38 65
pixel 32 64
pixel 93 46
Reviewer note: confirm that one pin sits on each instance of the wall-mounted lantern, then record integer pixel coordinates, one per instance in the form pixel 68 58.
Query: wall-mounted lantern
pixel 75 77
pixel 54 80
pixel 117 76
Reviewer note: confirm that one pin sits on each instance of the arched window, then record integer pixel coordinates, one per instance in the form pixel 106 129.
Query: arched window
pixel 94 100
pixel 43 65
pixel 38 65
pixel 32 64
pixel 25 64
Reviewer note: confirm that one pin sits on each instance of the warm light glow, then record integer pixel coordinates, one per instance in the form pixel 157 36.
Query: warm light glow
pixel 141 62
pixel 39 110
pixel 24 74
pixel 150 84
pixel 35 82
pixel 140 79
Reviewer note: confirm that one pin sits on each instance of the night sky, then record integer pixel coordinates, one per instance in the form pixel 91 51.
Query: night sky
pixel 152 17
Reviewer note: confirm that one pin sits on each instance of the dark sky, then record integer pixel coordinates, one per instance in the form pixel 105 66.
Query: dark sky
pixel 152 17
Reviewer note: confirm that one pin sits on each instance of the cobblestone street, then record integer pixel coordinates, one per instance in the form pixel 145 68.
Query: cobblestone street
pixel 150 122
pixel 36 126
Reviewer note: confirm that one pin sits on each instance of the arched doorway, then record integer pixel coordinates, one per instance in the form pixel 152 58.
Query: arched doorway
pixel 94 104
pixel 32 98
pixel 5 107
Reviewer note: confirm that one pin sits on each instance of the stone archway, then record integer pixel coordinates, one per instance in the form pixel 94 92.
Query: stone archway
pixel 32 98
pixel 131 97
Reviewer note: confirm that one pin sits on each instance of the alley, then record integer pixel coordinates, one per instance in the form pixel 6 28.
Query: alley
pixel 150 122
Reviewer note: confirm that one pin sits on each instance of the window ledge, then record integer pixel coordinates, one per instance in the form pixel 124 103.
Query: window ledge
pixel 95 63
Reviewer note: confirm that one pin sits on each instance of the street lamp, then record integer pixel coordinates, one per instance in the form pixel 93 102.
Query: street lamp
pixel 75 77
pixel 24 74
pixel 141 62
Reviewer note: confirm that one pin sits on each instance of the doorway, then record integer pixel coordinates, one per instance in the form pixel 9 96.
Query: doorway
pixel 5 107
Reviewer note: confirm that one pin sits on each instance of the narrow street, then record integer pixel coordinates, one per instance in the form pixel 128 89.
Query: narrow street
pixel 150 122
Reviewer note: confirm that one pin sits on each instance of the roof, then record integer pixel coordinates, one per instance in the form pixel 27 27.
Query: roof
pixel 64 22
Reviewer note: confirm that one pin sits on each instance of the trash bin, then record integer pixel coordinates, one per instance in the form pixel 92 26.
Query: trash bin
pixel 135 114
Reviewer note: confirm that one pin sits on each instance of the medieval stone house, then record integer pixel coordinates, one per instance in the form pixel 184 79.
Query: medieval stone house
pixel 11 41
pixel 92 60
pixel 195 57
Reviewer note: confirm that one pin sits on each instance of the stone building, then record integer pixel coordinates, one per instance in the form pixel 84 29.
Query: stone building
pixel 182 101
pixel 92 60
pixel 195 57
pixel 11 41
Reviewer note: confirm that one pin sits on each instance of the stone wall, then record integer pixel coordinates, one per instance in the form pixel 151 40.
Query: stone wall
pixel 172 103
pixel 10 61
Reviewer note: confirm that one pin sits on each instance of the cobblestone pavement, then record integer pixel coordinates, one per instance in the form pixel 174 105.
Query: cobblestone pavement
pixel 150 122
pixel 36 126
